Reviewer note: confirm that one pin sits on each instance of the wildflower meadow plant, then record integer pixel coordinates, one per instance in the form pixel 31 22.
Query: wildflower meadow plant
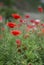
pixel 22 41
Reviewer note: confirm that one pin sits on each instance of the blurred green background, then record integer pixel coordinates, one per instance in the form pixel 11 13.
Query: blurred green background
pixel 7 7
pixel 28 5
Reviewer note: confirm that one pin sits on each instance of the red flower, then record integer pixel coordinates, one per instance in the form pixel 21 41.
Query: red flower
pixel 11 25
pixel 42 24
pixel 32 21
pixel 30 26
pixel 1 18
pixel 16 16
pixel 40 9
pixel 16 32
pixel 21 20
pixel 37 22
pixel 27 16
pixel 18 41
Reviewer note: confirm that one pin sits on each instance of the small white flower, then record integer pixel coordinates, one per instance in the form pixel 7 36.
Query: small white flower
pixel 37 20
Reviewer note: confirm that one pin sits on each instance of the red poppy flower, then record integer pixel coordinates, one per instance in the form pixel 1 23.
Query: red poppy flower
pixel 0 18
pixel 42 24
pixel 16 32
pixel 21 20
pixel 16 16
pixel 18 41
pixel 40 9
pixel 11 24
pixel 32 21
pixel 30 26
pixel 27 16
pixel 37 22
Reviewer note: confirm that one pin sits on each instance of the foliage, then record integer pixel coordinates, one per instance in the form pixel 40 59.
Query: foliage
pixel 31 50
